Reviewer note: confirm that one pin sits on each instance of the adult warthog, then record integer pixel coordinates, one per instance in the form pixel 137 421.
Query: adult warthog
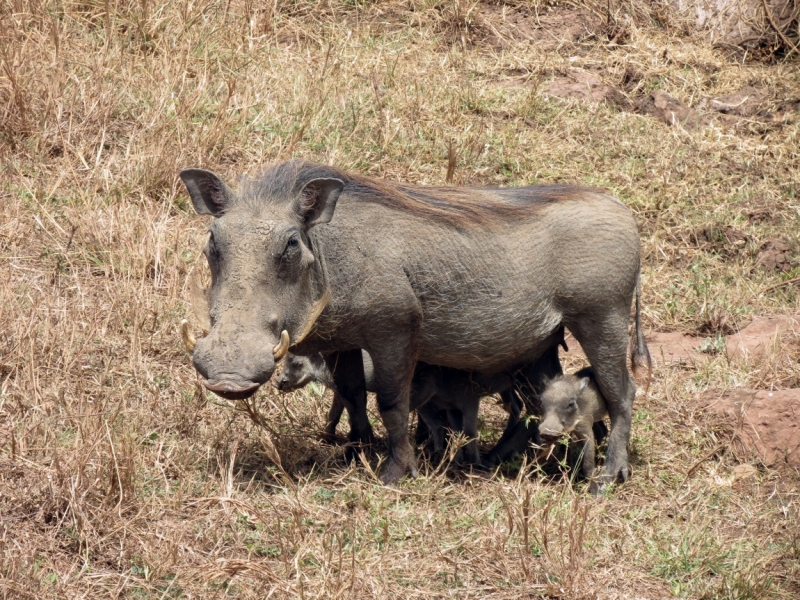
pixel 311 258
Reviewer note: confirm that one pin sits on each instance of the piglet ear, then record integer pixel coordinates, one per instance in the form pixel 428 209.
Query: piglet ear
pixel 583 383
pixel 317 201
pixel 210 195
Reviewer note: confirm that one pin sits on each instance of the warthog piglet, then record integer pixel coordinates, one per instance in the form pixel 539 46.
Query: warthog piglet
pixel 572 405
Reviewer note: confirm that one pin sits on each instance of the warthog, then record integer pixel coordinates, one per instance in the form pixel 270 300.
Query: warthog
pixel 312 258
pixel 444 398
pixel 572 405
pixel 299 371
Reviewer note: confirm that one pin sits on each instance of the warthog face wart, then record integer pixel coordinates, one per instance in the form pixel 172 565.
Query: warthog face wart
pixel 265 285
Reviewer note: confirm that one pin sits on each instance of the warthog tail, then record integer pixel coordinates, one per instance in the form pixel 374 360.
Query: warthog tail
pixel 640 355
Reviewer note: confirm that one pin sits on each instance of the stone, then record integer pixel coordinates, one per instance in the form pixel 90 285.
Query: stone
pixel 671 111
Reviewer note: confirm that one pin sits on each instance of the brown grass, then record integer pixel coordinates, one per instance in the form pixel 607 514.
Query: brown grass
pixel 121 477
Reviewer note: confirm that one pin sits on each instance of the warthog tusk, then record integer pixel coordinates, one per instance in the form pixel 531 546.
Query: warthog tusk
pixel 189 340
pixel 316 311
pixel 198 295
pixel 279 351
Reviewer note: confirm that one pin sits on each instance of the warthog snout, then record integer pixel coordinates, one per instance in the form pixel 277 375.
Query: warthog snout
pixel 282 385
pixel 551 435
pixel 236 369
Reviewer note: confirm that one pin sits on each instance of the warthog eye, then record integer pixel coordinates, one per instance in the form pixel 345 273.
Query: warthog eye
pixel 291 245
pixel 572 405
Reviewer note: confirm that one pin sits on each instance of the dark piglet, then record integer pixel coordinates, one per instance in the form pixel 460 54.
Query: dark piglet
pixel 299 371
pixel 444 398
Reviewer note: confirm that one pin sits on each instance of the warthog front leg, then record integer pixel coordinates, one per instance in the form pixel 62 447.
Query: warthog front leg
pixel 401 459
pixel 334 416
pixel 394 369
pixel 347 369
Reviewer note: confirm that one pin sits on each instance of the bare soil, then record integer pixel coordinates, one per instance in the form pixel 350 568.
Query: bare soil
pixel 765 426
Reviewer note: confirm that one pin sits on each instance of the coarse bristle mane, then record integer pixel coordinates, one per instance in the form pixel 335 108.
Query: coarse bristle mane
pixel 462 207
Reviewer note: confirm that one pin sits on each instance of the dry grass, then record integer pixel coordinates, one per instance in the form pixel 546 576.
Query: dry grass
pixel 121 477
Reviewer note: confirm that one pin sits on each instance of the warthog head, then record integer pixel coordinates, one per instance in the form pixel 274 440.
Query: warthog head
pixel 299 371
pixel 560 406
pixel 266 289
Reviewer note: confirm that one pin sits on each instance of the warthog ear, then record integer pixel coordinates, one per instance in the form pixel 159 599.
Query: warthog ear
pixel 583 383
pixel 546 381
pixel 317 201
pixel 210 195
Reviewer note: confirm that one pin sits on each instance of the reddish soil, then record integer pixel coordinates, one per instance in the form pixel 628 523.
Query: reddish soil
pixel 765 424
pixel 671 111
pixel 761 333
pixel 551 27
pixel 752 340
pixel 675 347
pixel 776 255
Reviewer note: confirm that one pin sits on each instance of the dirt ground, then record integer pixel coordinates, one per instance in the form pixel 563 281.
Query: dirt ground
pixel 121 477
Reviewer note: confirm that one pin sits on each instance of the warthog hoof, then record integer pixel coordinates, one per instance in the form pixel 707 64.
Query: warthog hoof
pixel 326 437
pixel 394 472
pixel 608 477
pixel 355 446
pixel 400 463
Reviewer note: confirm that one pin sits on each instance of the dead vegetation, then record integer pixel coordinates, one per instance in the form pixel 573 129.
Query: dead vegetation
pixel 121 477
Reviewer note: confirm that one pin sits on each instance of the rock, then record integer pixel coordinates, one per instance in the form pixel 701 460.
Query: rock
pixel 746 102
pixel 671 111
pixel 765 424
pixel 775 255
pixel 587 87
pixel 760 334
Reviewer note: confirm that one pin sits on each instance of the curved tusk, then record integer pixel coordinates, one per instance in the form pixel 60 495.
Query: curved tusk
pixel 279 351
pixel 189 340
pixel 316 311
